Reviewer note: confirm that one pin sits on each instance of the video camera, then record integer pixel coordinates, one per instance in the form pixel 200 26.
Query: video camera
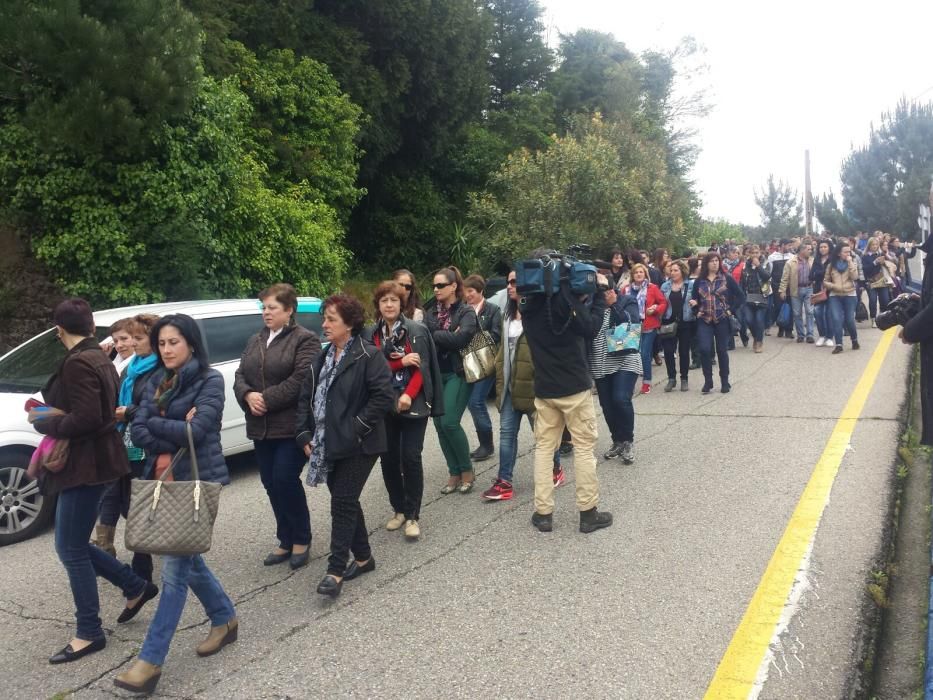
pixel 546 274
pixel 899 311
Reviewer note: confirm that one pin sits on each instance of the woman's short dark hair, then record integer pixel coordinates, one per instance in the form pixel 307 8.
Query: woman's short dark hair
pixel 284 293
pixel 384 289
pixel 414 294
pixel 475 282
pixel 74 316
pixel 142 323
pixel 350 310
pixel 452 274
pixel 704 266
pixel 189 330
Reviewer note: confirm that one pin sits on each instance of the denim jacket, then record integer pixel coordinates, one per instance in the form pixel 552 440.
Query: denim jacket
pixel 687 290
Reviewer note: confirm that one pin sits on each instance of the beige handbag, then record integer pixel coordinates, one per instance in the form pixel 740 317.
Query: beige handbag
pixel 172 517
pixel 479 357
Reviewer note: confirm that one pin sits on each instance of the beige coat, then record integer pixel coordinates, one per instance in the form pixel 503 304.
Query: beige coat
pixel 841 284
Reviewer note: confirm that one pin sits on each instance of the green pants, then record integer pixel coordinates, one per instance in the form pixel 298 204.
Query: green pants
pixel 450 434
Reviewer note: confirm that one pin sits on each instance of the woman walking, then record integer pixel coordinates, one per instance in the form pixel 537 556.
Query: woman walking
pixel 489 318
pixel 755 284
pixel 840 281
pixel 84 392
pixel 418 394
pixel 677 291
pixel 651 307
pixel 716 297
pixel 411 300
pixel 185 392
pixel 453 324
pixel 824 250
pixel 340 425
pixel 877 278
pixel 267 385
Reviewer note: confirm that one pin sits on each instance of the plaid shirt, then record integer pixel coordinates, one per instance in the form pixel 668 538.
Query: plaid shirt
pixel 713 305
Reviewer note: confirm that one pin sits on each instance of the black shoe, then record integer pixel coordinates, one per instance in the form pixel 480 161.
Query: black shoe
pixel 296 561
pixel 837 350
pixel 800 339
pixel 855 345
pixel 810 340
pixel 592 519
pixel 128 614
pixel 726 387
pixel 544 523
pixel 486 447
pixel 744 342
pixel 272 558
pixel 671 383
pixel 68 654
pixel 684 385
pixel 613 451
pixel 566 448
pixel 707 387
pixel 354 570
pixel 329 585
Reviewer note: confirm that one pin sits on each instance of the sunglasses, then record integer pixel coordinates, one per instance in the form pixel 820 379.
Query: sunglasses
pixel 442 285
pixel 512 282
pixel 406 287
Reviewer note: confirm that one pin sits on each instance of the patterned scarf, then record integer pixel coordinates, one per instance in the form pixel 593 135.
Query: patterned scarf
pixel 395 340
pixel 319 466
pixel 443 316
pixel 166 390
pixel 640 292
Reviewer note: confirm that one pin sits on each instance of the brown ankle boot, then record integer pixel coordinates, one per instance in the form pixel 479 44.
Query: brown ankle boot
pixel 218 638
pixel 141 677
pixel 105 537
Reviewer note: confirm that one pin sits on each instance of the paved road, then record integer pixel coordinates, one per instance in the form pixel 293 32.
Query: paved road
pixel 486 606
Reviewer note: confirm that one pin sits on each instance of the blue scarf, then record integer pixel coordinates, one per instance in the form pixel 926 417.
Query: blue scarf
pixel 137 367
pixel 841 265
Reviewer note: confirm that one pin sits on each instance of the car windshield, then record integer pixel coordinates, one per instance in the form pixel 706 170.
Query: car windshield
pixel 26 369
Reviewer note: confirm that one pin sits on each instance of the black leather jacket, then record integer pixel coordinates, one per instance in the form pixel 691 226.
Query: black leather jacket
pixel 449 343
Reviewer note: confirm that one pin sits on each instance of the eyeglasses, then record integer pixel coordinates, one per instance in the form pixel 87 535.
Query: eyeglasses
pixel 406 287
pixel 512 282
pixel 442 285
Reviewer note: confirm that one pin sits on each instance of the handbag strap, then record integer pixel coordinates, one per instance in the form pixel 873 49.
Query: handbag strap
pixel 181 453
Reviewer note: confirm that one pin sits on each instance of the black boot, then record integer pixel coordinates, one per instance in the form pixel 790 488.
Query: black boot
pixel 592 519
pixel 486 448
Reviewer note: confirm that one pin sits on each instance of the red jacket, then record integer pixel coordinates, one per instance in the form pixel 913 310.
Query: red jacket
pixel 655 297
pixel 737 272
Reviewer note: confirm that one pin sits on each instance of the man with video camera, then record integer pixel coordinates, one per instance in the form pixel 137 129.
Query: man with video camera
pixel 919 329
pixel 558 324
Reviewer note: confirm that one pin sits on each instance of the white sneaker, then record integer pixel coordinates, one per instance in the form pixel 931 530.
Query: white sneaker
pixel 412 530
pixel 829 343
pixel 819 342
pixel 395 522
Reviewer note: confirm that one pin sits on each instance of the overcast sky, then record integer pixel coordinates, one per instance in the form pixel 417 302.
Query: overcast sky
pixel 785 77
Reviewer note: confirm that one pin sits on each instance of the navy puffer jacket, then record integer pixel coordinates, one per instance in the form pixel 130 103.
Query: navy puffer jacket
pixel 158 434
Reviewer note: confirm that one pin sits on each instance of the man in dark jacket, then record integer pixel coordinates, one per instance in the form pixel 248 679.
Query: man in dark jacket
pixel 920 330
pixel 558 328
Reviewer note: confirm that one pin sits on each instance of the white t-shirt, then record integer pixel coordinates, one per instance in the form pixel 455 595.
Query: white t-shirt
pixel 273 335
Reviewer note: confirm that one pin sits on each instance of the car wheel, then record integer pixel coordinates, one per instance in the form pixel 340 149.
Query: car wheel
pixel 24 512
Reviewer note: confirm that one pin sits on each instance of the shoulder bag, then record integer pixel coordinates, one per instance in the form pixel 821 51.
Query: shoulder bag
pixel 820 297
pixel 668 330
pixel 624 339
pixel 479 357
pixel 173 517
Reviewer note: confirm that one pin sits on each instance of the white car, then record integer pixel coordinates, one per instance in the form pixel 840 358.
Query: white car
pixel 226 326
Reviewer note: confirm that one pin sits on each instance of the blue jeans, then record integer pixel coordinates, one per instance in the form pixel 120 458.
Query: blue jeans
pixel 756 317
pixel 510 421
pixel 477 404
pixel 179 574
pixel 647 350
pixel 706 334
pixel 842 313
pixel 615 398
pixel 280 464
pixel 821 315
pixel 875 296
pixel 75 515
pixel 802 307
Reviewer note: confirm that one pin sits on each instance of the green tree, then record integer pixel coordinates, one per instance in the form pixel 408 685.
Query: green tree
pixel 781 209
pixel 830 216
pixel 597 73
pixel 716 231
pixel 519 58
pixel 96 77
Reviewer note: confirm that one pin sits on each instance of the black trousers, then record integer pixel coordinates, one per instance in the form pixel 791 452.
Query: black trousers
pixel 280 464
pixel 719 332
pixel 348 527
pixel 680 342
pixel 402 469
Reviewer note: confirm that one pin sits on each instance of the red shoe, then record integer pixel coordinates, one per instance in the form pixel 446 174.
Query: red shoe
pixel 500 491
pixel 646 388
pixel 559 477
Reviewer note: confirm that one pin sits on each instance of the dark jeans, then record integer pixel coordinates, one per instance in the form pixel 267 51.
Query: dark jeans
pixel 477 404
pixel 280 464
pixel 720 332
pixel 75 515
pixel 842 315
pixel 402 469
pixel 679 343
pixel 615 398
pixel 116 498
pixel 821 315
pixel 882 295
pixel 348 527
pixel 646 349
pixel 756 318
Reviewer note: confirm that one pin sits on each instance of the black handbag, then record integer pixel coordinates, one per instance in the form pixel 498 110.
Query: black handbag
pixel 667 330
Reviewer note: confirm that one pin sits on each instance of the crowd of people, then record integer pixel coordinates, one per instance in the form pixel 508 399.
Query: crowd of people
pixel 331 409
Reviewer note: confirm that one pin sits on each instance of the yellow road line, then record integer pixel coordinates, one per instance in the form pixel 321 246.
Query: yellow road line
pixel 736 673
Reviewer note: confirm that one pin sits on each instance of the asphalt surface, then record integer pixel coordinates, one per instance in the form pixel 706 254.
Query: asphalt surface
pixel 485 606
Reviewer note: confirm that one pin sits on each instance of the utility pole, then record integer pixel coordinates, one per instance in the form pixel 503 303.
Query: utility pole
pixel 808 195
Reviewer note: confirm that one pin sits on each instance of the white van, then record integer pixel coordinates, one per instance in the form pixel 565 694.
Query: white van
pixel 226 326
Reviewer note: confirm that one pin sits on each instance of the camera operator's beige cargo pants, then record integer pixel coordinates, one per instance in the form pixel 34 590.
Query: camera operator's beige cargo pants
pixel 578 413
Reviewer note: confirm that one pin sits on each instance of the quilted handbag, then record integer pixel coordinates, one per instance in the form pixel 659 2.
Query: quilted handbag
pixel 172 517
pixel 624 339
pixel 479 357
